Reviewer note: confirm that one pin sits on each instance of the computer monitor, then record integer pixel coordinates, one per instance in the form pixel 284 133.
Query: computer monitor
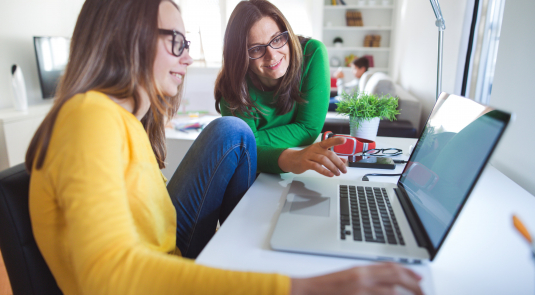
pixel 52 54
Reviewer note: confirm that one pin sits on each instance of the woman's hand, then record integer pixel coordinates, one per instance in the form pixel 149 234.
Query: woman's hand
pixel 316 157
pixel 372 279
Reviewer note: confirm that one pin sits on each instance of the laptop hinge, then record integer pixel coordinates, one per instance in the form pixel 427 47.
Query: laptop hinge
pixel 417 227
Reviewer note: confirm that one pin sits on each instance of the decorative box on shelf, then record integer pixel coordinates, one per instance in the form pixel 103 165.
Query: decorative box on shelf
pixel 354 18
pixel 372 41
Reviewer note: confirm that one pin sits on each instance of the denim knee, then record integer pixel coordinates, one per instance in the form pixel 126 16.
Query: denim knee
pixel 236 127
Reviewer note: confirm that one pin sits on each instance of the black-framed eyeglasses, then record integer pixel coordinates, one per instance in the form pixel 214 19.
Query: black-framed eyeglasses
pixel 179 42
pixel 390 152
pixel 259 51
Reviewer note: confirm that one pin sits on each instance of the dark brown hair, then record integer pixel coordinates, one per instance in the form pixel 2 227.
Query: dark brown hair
pixel 362 62
pixel 231 82
pixel 113 48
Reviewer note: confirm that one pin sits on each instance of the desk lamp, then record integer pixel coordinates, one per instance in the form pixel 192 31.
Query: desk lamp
pixel 441 24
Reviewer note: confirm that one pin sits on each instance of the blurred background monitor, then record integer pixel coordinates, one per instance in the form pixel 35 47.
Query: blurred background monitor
pixel 52 54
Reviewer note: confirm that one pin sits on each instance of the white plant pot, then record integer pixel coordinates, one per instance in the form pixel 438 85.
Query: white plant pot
pixel 366 129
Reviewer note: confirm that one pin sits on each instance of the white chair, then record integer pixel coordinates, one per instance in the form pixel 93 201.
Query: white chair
pixel 364 79
pixel 381 84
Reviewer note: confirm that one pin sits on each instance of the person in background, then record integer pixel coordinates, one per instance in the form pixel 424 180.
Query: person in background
pixel 278 83
pixel 358 67
pixel 101 214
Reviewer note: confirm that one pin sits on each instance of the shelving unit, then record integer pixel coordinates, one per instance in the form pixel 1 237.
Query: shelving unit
pixel 348 69
pixel 371 49
pixel 377 20
pixel 369 28
pixel 328 6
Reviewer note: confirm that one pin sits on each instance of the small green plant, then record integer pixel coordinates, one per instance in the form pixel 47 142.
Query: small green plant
pixel 362 106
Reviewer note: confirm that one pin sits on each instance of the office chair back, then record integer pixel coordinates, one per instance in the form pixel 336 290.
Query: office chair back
pixel 26 267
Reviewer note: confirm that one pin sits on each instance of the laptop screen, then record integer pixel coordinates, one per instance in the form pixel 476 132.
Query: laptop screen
pixel 452 151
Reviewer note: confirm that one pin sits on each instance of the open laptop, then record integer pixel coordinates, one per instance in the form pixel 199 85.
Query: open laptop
pixel 405 222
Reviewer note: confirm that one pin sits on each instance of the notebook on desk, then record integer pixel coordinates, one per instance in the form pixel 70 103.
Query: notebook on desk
pixel 405 222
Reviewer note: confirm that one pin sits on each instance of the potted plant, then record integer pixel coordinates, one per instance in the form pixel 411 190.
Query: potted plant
pixel 365 111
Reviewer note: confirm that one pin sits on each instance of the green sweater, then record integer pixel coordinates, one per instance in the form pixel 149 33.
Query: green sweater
pixel 302 125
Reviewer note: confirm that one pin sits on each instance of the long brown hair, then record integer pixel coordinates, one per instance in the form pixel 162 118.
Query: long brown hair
pixel 113 48
pixel 231 82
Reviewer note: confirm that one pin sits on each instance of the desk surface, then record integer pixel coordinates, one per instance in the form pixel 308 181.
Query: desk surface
pixel 33 111
pixel 483 254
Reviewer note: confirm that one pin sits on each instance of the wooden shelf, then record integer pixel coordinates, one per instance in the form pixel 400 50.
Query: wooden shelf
pixel 344 7
pixel 371 49
pixel 364 28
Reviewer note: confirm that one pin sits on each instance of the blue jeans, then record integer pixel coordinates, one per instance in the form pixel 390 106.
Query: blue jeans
pixel 332 104
pixel 214 175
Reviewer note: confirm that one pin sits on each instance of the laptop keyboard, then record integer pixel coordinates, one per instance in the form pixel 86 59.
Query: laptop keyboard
pixel 363 208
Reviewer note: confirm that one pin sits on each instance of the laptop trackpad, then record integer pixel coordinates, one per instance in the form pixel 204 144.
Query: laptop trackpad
pixel 310 205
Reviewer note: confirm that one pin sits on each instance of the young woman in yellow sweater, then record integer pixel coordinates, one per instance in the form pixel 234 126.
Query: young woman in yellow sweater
pixel 101 213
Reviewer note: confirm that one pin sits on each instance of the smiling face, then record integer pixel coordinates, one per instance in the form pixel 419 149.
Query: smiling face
pixel 273 65
pixel 169 70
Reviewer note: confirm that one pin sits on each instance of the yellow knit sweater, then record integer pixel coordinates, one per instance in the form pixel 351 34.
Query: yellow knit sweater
pixel 103 219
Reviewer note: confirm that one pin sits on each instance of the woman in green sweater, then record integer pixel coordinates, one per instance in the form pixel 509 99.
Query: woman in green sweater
pixel 278 83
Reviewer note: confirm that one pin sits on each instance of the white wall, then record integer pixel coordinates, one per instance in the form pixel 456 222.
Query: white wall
pixel 199 92
pixel 416 48
pixel 513 90
pixel 20 20
pixel 298 13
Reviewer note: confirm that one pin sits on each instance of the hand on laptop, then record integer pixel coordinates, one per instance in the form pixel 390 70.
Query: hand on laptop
pixel 373 279
pixel 316 157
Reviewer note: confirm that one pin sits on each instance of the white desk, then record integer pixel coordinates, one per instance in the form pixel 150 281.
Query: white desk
pixel 179 142
pixel 483 254
pixel 16 131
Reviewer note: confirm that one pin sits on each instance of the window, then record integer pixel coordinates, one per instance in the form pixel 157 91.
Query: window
pixel 483 49
pixel 206 21
pixel 203 22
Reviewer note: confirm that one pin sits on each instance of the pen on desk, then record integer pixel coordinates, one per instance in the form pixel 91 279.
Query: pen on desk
pixel 524 232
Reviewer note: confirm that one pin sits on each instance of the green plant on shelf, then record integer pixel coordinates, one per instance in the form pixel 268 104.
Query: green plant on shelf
pixel 363 106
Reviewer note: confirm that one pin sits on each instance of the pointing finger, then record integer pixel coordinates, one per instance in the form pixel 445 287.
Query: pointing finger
pixel 328 143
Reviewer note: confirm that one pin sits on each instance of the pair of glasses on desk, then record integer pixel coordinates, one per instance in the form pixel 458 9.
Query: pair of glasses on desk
pixel 390 152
